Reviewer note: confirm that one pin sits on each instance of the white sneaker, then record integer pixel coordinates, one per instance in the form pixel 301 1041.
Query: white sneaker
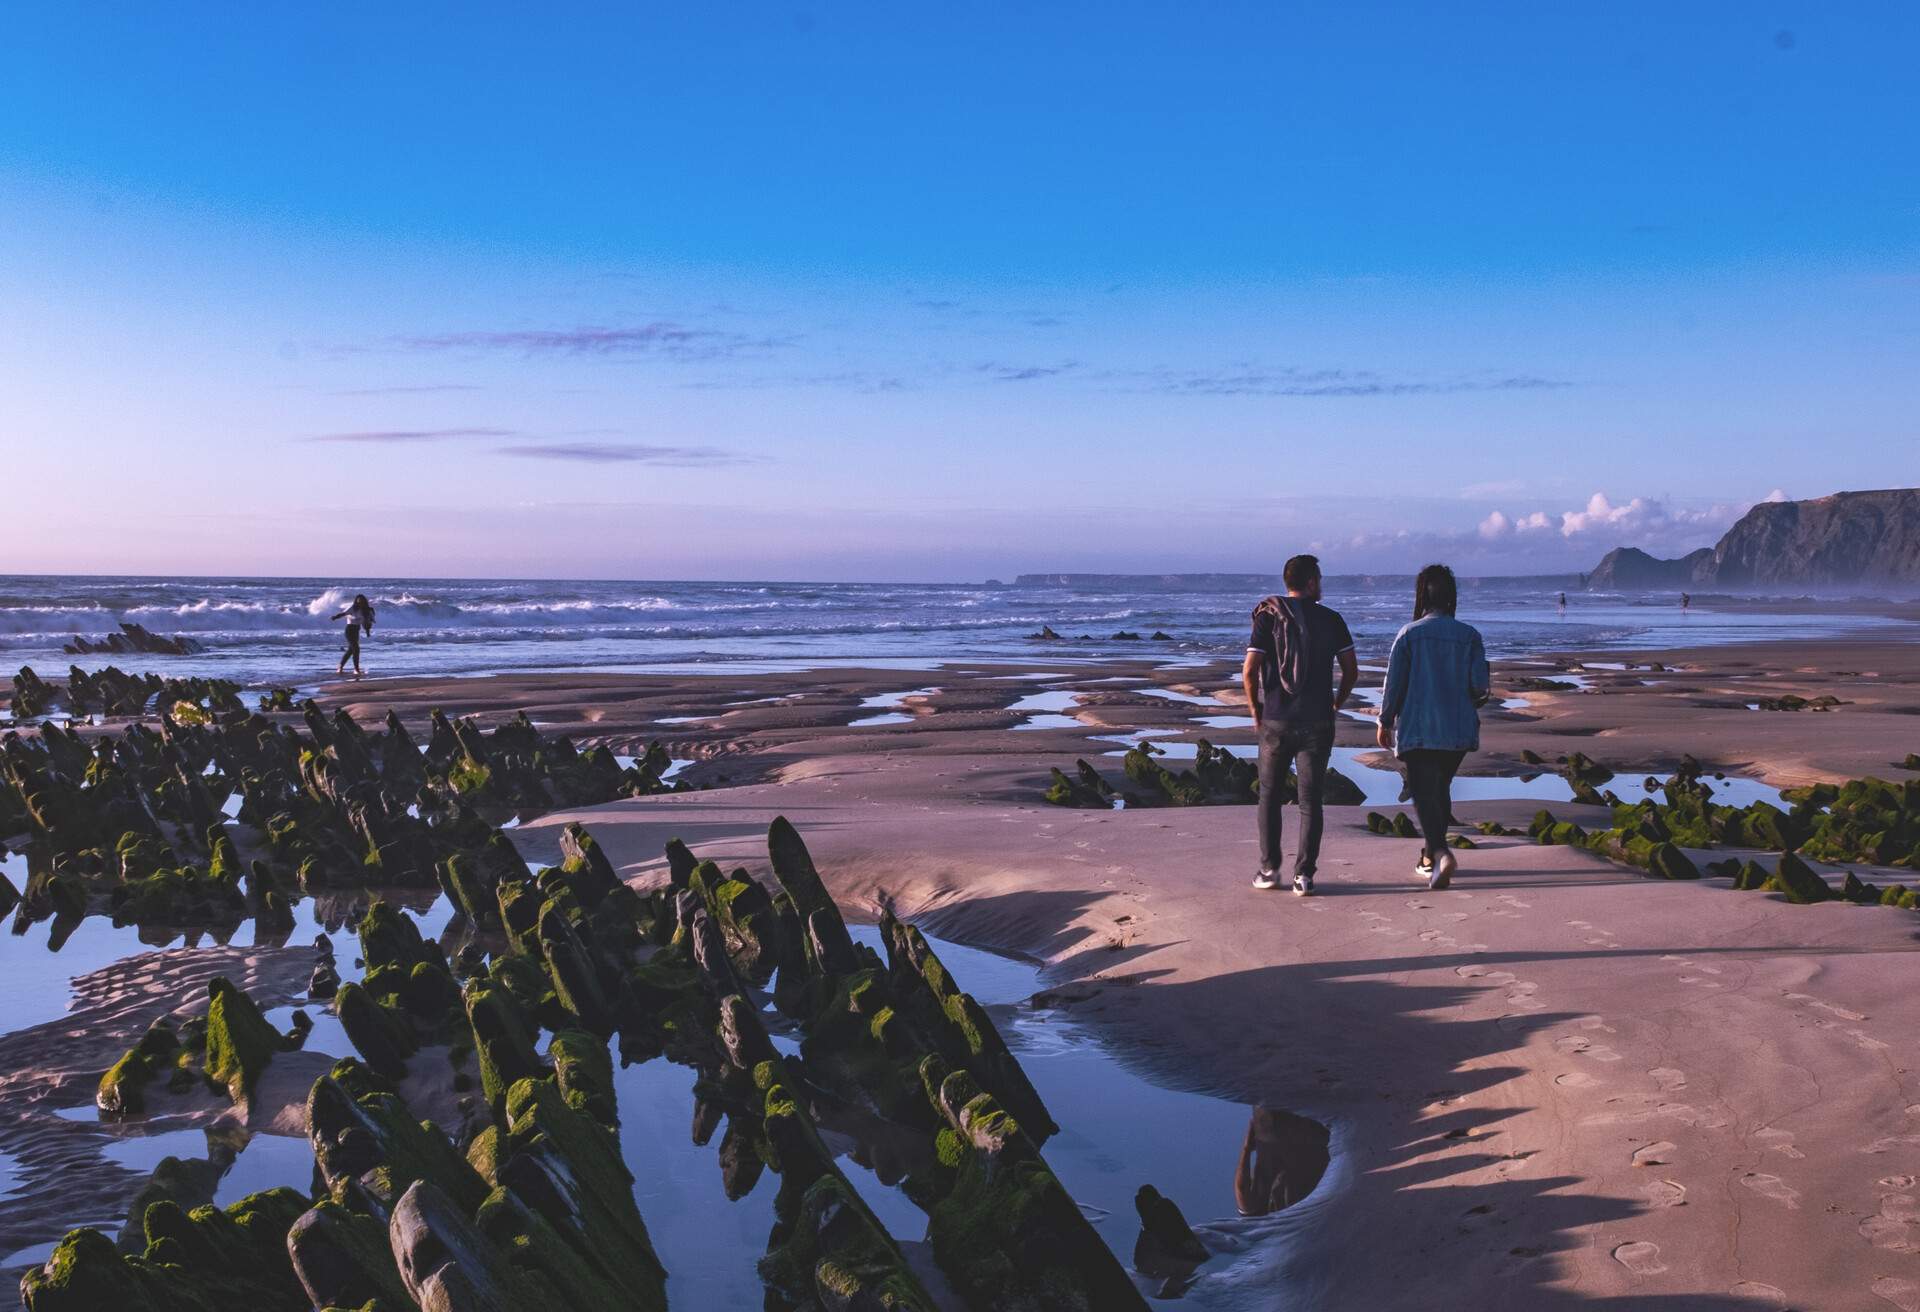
pixel 1265 880
pixel 1443 867
pixel 1303 885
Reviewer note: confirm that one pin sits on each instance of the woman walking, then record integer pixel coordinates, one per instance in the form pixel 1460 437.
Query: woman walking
pixel 359 618
pixel 1437 677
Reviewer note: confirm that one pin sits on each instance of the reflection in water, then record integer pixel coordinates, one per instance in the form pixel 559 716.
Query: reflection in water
pixel 1281 1161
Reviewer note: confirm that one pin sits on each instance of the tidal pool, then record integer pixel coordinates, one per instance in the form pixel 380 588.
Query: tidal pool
pixel 1119 1129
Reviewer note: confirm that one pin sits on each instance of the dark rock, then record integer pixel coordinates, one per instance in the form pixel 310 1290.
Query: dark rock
pixel 1166 1240
pixel 1843 539
pixel 133 639
pixel 1798 881
pixel 343 1259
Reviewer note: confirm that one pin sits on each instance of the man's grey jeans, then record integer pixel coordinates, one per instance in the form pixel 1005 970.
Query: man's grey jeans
pixel 1306 747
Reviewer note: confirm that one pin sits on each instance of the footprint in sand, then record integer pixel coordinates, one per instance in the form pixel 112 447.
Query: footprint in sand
pixel 1890 1142
pixel 1655 1154
pixel 1772 1188
pixel 1598 1023
pixel 1812 1001
pixel 1897 1226
pixel 1754 1289
pixel 1899 1291
pixel 1675 1111
pixel 1513 901
pixel 1665 1193
pixel 1640 1257
pixel 1456 915
pixel 1781 1141
pixel 1575 1080
pixel 1667 1079
pixel 1703 983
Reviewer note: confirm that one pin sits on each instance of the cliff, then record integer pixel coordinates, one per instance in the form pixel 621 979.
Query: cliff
pixel 1840 540
pixel 1627 569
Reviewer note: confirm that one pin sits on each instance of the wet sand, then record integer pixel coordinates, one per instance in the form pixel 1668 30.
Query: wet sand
pixel 1556 1085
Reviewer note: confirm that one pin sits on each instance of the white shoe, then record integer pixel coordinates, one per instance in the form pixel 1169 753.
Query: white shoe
pixel 1265 880
pixel 1443 867
pixel 1303 885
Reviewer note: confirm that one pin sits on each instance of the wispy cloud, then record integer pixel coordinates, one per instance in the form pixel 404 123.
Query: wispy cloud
pixel 849 381
pixel 408 436
pixel 1012 373
pixel 406 389
pixel 634 453
pixel 661 337
pixel 1255 381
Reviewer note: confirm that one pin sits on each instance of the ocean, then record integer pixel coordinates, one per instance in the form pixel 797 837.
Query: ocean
pixel 263 632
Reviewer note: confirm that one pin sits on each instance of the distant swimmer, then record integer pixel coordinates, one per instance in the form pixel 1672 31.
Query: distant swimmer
pixel 359 616
pixel 1686 602
pixel 1563 601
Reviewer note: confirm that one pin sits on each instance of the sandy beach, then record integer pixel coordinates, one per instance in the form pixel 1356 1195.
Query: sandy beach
pixel 1556 1084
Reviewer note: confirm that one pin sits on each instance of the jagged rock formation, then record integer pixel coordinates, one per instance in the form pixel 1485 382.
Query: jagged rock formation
pixel 132 639
pixel 1629 569
pixel 1840 540
pixel 458 1167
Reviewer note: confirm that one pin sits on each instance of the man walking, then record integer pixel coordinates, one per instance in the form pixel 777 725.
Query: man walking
pixel 1288 677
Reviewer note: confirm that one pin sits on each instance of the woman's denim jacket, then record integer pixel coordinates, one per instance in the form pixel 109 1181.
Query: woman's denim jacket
pixel 1436 676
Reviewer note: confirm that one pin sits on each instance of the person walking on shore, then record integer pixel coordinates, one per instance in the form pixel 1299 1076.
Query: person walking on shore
pixel 359 618
pixel 1288 678
pixel 1437 678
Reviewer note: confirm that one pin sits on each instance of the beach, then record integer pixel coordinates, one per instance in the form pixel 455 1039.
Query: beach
pixel 1558 1083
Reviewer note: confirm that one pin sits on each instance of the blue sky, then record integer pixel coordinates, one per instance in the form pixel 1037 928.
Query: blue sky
pixel 878 292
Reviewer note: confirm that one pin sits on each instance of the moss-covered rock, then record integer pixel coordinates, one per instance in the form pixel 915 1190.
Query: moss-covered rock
pixel 122 1090
pixel 831 1253
pixel 369 1148
pixel 343 1259
pixel 503 1040
pixel 1007 1234
pixel 383 1039
pixel 957 1027
pixel 204 1259
pixel 566 1166
pixel 240 1042
pixel 583 1068
pixel 1798 881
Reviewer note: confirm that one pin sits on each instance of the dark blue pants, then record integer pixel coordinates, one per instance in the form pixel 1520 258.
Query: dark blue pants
pixel 1306 748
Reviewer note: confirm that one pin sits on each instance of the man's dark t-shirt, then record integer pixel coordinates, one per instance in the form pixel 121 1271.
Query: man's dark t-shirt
pixel 1327 637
